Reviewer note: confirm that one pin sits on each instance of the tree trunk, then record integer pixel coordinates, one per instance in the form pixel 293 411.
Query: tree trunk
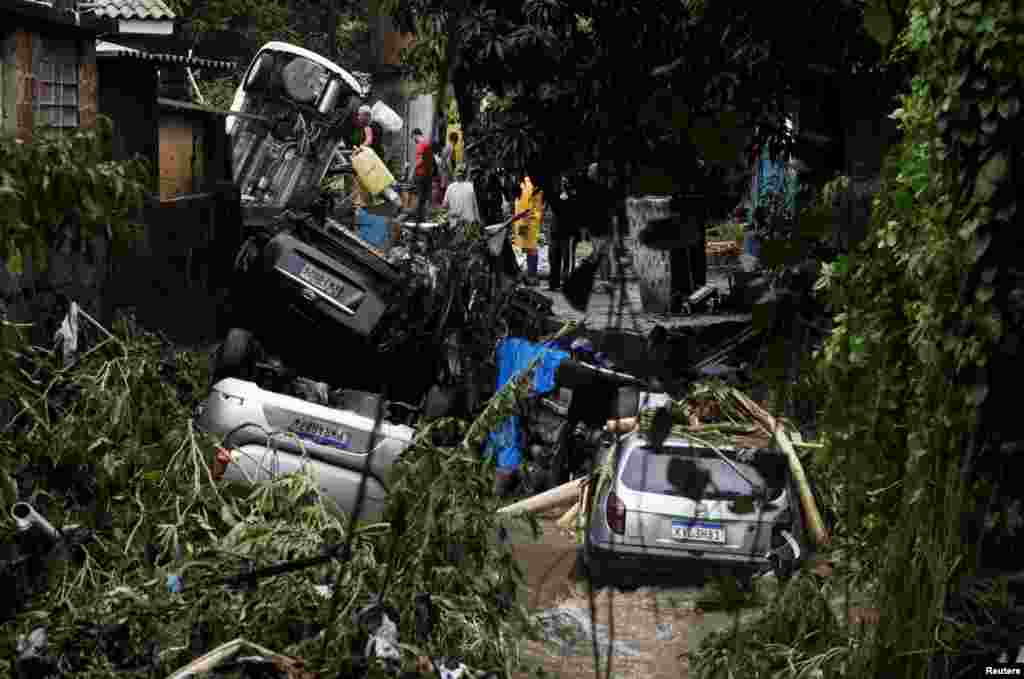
pixel 331 27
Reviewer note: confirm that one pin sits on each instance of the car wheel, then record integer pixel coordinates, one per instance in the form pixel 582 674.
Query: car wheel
pixel 236 356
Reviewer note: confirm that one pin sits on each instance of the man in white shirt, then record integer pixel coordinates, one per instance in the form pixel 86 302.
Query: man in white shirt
pixel 460 199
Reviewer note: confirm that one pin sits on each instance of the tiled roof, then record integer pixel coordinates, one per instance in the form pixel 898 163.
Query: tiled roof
pixel 130 9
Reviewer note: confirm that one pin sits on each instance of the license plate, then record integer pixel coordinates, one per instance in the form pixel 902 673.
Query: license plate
pixel 322 281
pixel 698 532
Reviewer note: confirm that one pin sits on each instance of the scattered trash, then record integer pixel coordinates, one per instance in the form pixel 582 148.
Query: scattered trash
pixel 450 671
pixel 175 585
pixel 572 631
pixel 32 661
pixel 664 632
pixel 67 334
pixel 33 527
pixel 652 401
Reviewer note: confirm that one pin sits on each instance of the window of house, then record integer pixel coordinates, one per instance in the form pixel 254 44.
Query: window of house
pixel 55 100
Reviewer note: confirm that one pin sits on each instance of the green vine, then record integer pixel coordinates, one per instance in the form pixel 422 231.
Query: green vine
pixel 63 185
pixel 919 322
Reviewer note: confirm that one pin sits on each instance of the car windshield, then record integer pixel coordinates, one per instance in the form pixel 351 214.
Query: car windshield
pixel 683 471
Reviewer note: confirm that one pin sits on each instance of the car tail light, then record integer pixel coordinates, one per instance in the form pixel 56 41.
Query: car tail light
pixel 220 463
pixel 615 512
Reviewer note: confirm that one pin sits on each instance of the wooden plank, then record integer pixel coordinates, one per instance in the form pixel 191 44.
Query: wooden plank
pixel 175 157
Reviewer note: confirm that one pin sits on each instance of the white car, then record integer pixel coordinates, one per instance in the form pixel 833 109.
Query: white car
pixel 267 434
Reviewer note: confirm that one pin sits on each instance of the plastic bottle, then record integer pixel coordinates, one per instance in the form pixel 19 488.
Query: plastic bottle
pixel 374 175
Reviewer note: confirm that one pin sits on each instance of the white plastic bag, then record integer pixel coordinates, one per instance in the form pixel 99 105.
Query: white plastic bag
pixel 383 115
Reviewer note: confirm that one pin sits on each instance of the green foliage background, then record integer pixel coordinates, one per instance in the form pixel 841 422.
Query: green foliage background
pixel 65 184
pixel 915 371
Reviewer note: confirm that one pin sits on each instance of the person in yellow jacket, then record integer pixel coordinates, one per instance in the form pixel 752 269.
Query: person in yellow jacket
pixel 526 233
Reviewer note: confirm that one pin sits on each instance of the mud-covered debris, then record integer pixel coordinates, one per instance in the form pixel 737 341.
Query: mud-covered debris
pixel 572 631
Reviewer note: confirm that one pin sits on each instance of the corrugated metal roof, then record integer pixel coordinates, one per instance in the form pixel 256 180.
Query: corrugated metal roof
pixel 106 49
pixel 130 9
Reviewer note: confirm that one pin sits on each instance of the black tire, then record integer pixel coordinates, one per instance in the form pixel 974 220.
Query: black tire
pixel 591 570
pixel 236 356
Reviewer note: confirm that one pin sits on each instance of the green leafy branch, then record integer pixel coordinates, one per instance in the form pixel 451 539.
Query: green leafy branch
pixel 62 185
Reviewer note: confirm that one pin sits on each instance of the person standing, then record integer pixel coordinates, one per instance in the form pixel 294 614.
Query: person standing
pixel 598 222
pixel 424 163
pixel 527 233
pixel 563 236
pixel 460 200
pixel 363 134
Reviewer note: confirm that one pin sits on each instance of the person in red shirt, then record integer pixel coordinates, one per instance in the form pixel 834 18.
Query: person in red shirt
pixel 424 163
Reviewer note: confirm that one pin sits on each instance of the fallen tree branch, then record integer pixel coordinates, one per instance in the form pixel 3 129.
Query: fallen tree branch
pixel 815 523
pixel 565 494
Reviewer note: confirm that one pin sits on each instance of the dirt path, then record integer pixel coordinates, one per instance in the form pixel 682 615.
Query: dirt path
pixel 659 624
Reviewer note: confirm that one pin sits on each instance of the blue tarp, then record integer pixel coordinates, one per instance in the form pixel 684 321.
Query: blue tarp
pixel 514 355
pixel 373 228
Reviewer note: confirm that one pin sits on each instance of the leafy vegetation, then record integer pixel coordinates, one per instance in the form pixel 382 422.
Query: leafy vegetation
pixel 107 443
pixel 914 370
pixel 65 186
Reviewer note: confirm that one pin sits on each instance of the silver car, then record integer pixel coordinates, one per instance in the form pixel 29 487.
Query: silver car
pixel 733 510
pixel 266 434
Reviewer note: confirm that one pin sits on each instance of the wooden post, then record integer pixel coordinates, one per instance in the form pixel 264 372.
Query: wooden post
pixel 23 85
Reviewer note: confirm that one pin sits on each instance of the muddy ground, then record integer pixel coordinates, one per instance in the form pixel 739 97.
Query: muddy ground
pixel 661 621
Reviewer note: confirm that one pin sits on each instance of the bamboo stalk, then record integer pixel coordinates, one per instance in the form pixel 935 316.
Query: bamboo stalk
pixel 568 519
pixel 814 521
pixel 565 494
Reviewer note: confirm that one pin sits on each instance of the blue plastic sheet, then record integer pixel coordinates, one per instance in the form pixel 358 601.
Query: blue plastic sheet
pixel 514 355
pixel 373 228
